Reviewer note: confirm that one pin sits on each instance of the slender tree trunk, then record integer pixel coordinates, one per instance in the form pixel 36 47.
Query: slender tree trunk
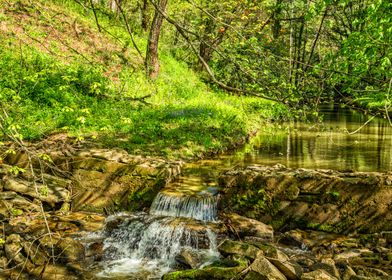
pixel 291 44
pixel 152 62
pixel 298 55
pixel 316 38
pixel 145 16
pixel 276 26
pixel 113 5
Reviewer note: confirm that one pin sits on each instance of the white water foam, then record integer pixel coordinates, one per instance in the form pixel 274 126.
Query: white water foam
pixel 146 247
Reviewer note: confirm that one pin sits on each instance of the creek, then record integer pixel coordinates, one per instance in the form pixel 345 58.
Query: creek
pixel 183 216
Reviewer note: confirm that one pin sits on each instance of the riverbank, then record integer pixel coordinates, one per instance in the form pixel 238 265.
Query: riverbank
pixel 82 83
pixel 46 244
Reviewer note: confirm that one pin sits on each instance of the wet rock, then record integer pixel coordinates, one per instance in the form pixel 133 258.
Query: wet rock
pixel 3 263
pixel 22 203
pixel 327 265
pixel 13 249
pixel 309 199
pixel 191 258
pixel 49 194
pixel 348 273
pixel 94 251
pixel 70 250
pixel 261 268
pixel 318 275
pixel 350 254
pixel 57 272
pixel 35 253
pixel 243 226
pixel 371 272
pixel 295 238
pixel 113 222
pixel 289 268
pixel 388 237
pixel 8 195
pixel 213 271
pixel 230 247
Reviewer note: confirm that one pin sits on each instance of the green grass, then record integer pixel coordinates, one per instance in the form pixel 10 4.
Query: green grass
pixel 182 117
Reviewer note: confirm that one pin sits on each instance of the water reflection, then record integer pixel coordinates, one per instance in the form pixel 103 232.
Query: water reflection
pixel 326 145
pixel 329 144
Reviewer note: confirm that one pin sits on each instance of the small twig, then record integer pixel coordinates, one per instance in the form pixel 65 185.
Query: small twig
pixel 129 30
pixel 362 126
pixel 95 15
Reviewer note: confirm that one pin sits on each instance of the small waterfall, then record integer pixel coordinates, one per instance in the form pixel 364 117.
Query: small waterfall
pixel 203 208
pixel 145 246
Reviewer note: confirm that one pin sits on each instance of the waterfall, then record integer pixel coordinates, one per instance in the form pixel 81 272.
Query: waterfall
pixel 203 208
pixel 146 245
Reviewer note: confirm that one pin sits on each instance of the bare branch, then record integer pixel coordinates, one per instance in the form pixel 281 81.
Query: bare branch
pixel 183 32
pixel 129 30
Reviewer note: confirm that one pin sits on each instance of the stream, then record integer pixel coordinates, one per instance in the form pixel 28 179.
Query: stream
pixel 184 215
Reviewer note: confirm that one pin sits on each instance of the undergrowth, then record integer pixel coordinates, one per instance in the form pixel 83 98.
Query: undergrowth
pixel 174 116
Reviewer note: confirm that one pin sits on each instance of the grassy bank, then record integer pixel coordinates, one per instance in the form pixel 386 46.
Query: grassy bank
pixel 58 74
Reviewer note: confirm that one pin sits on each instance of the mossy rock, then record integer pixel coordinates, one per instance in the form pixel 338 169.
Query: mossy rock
pixel 143 197
pixel 210 272
pixel 230 247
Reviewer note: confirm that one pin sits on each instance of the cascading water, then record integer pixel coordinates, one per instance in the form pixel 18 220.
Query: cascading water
pixel 202 207
pixel 145 246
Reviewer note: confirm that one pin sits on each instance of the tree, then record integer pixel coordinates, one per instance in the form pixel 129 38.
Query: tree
pixel 152 62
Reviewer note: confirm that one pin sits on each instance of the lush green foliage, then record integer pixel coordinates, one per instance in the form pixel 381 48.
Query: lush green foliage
pixel 59 74
pixel 365 55
pixel 179 116
pixel 300 52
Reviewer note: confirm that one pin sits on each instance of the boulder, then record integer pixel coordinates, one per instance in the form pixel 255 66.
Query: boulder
pixel 290 268
pixel 348 273
pixel 373 273
pixel 216 271
pixel 319 274
pixel 94 251
pixel 263 269
pixel 57 272
pixel 327 265
pixel 230 247
pixel 14 252
pixel 191 258
pixel 243 226
pixel 69 250
pixel 50 194
pixel 35 253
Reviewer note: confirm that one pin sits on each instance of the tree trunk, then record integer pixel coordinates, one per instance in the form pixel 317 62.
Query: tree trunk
pixel 113 5
pixel 276 26
pixel 145 16
pixel 152 62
